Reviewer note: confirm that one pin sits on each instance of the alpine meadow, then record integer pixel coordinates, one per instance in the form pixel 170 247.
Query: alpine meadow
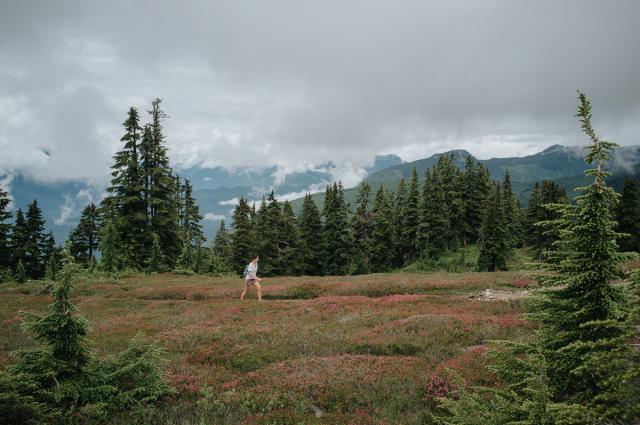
pixel 337 213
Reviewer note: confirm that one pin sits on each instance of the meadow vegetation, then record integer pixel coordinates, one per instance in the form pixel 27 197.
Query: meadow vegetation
pixel 356 349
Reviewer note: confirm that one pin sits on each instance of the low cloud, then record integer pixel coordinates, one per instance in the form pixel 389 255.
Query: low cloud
pixel 213 217
pixel 315 188
pixel 234 201
pixel 323 81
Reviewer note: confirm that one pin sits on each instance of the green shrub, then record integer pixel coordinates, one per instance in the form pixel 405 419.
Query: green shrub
pixel 61 381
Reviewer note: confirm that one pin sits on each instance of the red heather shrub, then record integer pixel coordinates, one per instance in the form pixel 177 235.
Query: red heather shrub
pixel 471 365
pixel 365 417
pixel 437 386
pixel 184 383
pixel 229 385
pixel 15 320
pixel 522 283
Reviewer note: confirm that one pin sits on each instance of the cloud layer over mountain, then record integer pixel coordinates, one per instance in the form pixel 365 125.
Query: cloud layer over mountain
pixel 295 84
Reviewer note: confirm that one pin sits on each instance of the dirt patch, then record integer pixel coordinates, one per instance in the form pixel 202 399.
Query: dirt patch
pixel 499 295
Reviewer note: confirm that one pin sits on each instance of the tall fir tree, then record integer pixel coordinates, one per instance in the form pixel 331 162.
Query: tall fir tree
pixel 494 236
pixel 542 237
pixel 312 238
pixel 35 255
pixel 410 220
pixel 191 213
pixel 290 258
pixel 581 312
pixel 512 215
pixel 126 193
pixel 451 180
pixel 399 201
pixel 628 215
pixel 476 188
pixel 19 240
pixel 581 369
pixel 382 238
pixel 162 203
pixel 361 223
pixel 434 219
pixel 85 238
pixel 243 241
pixel 338 233
pixel 268 229
pixel 5 231
pixel 221 250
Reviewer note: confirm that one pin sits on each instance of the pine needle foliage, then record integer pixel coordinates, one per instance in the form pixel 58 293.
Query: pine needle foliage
pixel 60 381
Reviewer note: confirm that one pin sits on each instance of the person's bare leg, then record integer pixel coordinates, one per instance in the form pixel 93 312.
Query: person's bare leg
pixel 259 288
pixel 244 292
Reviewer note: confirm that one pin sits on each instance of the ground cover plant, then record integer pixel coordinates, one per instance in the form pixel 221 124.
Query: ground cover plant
pixel 355 349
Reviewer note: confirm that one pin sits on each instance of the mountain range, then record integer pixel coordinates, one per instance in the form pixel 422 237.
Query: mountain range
pixel 217 189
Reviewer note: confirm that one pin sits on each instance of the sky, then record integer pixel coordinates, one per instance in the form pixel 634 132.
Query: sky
pixel 295 83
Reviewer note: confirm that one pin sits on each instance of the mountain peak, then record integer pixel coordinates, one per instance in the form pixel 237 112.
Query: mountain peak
pixel 553 148
pixel 384 161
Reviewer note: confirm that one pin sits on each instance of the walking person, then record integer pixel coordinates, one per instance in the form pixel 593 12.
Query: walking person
pixel 251 278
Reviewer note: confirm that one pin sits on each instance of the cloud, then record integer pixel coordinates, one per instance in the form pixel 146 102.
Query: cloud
pixel 246 84
pixel 314 188
pixel 233 201
pixel 66 211
pixel 73 204
pixel 5 184
pixel 213 217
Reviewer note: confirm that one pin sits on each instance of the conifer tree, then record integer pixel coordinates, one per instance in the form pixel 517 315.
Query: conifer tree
pixel 476 187
pixel 221 251
pixel 186 259
pixel 59 382
pixel 191 212
pixel 511 212
pixel 35 255
pixel 581 369
pixel 338 234
pixel 64 356
pixel 19 240
pixel 5 228
pixel 51 271
pixel 410 220
pixel 243 241
pixel 629 217
pixel 162 204
pixel 268 230
pixel 540 236
pixel 86 236
pixel 312 238
pixel 290 260
pixel 399 201
pixel 155 262
pixel 126 195
pixel 21 273
pixel 434 220
pixel 382 238
pixel 450 179
pixel 111 260
pixel 494 239
pixel 361 223
pixel 581 313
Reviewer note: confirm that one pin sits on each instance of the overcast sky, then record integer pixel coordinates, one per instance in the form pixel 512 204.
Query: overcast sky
pixel 296 83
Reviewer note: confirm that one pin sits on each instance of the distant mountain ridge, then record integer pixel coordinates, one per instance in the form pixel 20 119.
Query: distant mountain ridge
pixel 217 189
pixel 563 164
